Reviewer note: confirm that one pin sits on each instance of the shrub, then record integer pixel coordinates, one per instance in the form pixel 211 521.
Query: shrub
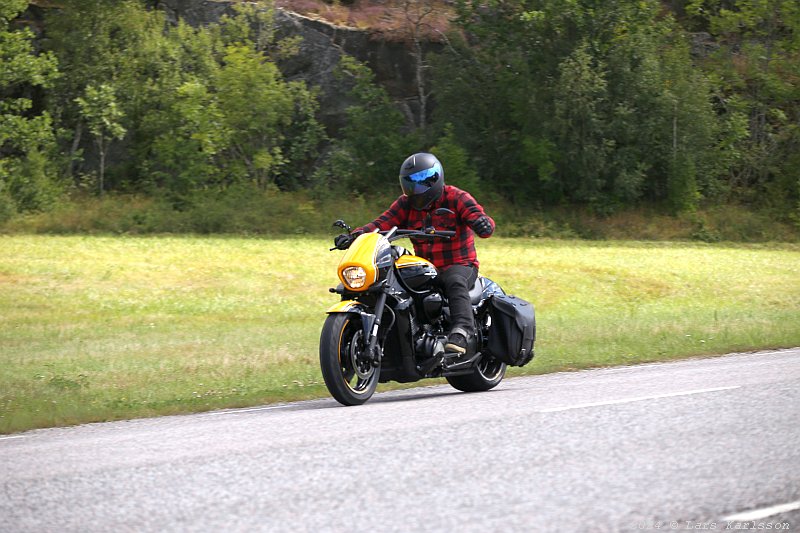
pixel 7 208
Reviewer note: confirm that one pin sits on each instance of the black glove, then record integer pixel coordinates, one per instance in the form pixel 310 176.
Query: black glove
pixel 344 241
pixel 483 226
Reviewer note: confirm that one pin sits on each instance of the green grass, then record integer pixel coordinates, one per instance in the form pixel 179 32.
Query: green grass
pixel 100 328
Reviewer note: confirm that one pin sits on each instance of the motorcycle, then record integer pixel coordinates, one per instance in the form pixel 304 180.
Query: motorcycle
pixel 391 322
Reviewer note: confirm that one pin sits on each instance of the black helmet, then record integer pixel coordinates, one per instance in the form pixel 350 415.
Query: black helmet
pixel 422 179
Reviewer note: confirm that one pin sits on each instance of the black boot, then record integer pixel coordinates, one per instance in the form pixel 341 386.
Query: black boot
pixel 456 342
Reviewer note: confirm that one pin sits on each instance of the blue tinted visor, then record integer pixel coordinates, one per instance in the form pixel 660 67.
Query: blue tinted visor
pixel 420 182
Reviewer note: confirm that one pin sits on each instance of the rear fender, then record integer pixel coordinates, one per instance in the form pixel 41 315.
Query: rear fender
pixel 354 307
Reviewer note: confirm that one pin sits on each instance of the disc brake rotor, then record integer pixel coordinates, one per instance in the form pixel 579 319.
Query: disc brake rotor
pixel 362 367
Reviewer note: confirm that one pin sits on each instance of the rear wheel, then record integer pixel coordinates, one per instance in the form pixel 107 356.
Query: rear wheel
pixel 346 368
pixel 487 375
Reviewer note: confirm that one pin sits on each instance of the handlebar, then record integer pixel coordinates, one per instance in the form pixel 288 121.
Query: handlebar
pixel 395 233
pixel 419 234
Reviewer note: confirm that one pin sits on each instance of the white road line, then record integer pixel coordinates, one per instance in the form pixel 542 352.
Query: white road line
pixel 13 437
pixel 758 514
pixel 245 410
pixel 636 399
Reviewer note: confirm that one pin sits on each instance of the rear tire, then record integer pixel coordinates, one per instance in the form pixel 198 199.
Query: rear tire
pixel 350 377
pixel 488 373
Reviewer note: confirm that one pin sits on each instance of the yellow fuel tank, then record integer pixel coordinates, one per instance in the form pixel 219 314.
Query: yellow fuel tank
pixel 416 273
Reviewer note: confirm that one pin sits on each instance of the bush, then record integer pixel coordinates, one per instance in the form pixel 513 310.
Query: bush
pixel 7 208
pixel 29 184
pixel 245 209
pixel 458 169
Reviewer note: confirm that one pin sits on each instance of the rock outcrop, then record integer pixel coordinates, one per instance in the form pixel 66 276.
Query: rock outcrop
pixel 321 47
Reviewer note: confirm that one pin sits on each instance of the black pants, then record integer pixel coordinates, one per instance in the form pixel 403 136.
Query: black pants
pixel 457 280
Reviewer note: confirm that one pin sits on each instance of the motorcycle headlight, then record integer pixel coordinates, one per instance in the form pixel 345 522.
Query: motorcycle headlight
pixel 354 276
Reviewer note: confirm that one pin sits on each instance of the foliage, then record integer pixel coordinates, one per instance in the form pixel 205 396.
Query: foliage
pixel 202 107
pixel 99 110
pixel 26 133
pixel 373 143
pixel 608 105
pixel 256 106
pixel 186 139
pixel 564 101
pixel 757 69
pixel 244 209
pixel 459 171
pixel 117 44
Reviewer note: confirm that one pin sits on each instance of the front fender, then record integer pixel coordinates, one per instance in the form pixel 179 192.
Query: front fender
pixel 348 306
pixel 352 306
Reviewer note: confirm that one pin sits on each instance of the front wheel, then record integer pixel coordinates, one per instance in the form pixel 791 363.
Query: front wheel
pixel 488 373
pixel 346 368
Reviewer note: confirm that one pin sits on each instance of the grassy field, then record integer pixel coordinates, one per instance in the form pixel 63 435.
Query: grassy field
pixel 100 328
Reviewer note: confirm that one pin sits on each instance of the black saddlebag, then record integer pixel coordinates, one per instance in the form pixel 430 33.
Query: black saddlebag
pixel 513 330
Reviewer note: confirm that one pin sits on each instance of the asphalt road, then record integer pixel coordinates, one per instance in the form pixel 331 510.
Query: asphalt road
pixel 708 444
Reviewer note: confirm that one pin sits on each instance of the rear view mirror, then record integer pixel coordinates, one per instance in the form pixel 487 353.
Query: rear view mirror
pixel 342 224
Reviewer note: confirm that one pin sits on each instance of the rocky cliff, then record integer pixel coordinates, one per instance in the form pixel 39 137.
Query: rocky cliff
pixel 320 50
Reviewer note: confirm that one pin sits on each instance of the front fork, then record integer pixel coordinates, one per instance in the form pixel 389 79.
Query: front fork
pixel 374 350
pixel 371 325
pixel 370 322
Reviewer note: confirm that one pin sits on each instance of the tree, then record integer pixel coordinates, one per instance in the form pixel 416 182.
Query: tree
pixel 578 101
pixel 102 115
pixel 120 44
pixel 201 107
pixel 275 133
pixel 756 68
pixel 459 169
pixel 373 142
pixel 580 124
pixel 189 136
pixel 416 11
pixel 26 133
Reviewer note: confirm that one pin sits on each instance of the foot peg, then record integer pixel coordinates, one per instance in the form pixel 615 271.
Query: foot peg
pixel 457 363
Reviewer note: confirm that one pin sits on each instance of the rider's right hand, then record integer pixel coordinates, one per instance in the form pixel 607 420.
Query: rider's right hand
pixel 344 241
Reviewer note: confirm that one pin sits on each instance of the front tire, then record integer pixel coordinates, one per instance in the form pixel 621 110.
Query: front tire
pixel 348 372
pixel 488 373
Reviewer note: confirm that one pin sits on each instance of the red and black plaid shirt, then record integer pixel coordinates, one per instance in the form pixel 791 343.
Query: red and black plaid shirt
pixel 460 249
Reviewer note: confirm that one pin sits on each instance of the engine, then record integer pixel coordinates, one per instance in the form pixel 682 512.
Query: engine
pixel 430 345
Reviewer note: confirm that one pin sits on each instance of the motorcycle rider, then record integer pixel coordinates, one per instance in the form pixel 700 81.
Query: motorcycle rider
pixel 424 191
